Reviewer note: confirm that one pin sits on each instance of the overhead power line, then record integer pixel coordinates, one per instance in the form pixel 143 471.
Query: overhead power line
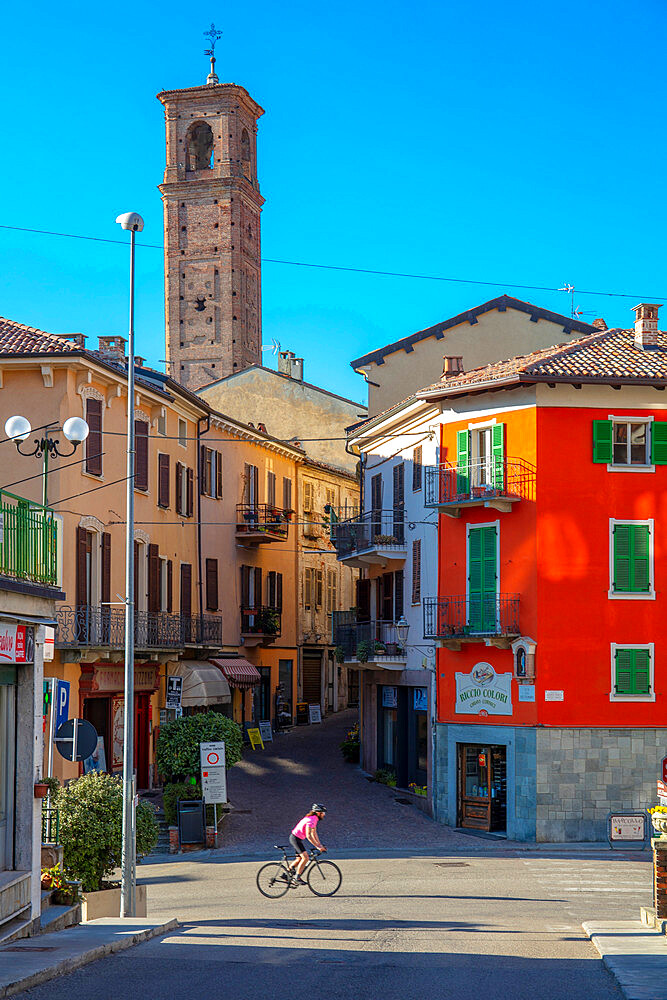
pixel 363 270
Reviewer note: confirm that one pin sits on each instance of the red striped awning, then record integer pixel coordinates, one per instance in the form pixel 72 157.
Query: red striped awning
pixel 239 672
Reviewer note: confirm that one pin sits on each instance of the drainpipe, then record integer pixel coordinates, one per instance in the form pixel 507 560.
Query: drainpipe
pixel 207 421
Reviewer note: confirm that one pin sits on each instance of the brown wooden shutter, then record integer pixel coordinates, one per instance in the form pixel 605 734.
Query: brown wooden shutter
pixel 258 587
pixel 202 468
pixel 364 600
pixel 279 591
pixel 190 504
pixel 416 571
pixel 170 582
pixel 245 586
pixel 105 588
pixel 318 588
pixel 137 552
pixel 186 590
pixel 163 480
pixel 271 589
pixel 81 588
pixel 287 493
pixel 94 439
pixel 211 584
pixel 218 474
pixel 179 488
pixel 271 489
pixel 153 578
pixel 141 456
pixel 398 594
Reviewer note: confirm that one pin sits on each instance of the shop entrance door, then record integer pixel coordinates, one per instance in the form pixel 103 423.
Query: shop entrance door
pixel 7 764
pixel 141 739
pixel 312 679
pixel 482 787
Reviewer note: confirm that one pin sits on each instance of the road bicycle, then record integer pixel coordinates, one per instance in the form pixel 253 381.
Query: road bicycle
pixel 275 878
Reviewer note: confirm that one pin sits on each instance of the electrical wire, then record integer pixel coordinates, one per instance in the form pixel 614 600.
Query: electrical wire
pixel 361 270
pixel 103 486
pixel 57 468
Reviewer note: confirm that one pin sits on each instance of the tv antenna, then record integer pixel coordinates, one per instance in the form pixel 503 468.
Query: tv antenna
pixel 274 347
pixel 570 290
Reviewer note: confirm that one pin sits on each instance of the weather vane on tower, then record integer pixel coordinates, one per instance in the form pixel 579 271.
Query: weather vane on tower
pixel 214 36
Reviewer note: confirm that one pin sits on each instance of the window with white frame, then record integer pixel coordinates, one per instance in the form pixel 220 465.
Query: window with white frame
pixel 631 442
pixel 632 672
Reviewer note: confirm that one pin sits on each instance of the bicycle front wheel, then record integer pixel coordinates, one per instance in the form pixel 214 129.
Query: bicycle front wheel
pixel 272 880
pixel 324 878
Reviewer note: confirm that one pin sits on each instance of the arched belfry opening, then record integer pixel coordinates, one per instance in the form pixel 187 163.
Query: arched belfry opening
pixel 199 147
pixel 245 155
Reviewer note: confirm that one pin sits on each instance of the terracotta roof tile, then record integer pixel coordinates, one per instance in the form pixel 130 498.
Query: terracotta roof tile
pixel 16 338
pixel 607 356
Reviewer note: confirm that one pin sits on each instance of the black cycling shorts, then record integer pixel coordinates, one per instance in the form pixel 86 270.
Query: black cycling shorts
pixel 298 844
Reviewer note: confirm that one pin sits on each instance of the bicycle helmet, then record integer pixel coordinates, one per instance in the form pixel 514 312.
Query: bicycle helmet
pixel 316 808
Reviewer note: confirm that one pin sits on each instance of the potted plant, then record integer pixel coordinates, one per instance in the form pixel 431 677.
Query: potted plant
pixel 350 747
pixel 40 789
pixel 385 540
pixel 380 648
pixel 384 776
pixel 363 651
pixel 659 819
pixel 339 654
pixel 269 621
pixel 391 648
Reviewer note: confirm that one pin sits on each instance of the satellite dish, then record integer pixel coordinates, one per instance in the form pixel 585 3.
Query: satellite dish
pixel 76 739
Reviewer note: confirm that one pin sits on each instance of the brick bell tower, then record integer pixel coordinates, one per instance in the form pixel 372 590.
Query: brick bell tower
pixel 212 209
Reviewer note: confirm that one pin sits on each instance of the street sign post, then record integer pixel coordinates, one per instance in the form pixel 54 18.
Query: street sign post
pixel 174 692
pixel 213 772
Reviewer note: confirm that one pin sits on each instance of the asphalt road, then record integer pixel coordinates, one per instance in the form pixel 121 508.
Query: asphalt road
pixel 488 923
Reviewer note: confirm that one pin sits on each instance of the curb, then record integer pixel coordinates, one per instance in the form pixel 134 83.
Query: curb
pixel 92 955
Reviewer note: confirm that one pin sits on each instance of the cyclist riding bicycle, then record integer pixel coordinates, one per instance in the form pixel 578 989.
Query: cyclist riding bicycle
pixel 306 828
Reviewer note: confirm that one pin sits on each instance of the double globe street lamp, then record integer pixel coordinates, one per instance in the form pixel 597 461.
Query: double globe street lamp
pixel 18 430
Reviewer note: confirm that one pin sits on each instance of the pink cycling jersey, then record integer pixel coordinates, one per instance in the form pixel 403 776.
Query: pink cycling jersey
pixel 305 824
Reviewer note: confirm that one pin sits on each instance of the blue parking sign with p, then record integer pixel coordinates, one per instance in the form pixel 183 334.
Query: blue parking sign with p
pixel 62 703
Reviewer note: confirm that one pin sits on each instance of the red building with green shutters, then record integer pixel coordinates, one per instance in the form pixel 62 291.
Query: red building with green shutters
pixel 551 611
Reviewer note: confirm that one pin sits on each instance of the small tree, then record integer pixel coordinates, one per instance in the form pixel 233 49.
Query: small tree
pixel 177 751
pixel 91 822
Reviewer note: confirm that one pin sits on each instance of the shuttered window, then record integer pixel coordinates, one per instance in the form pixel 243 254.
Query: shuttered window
pixel 271 489
pixel 631 559
pixel 482 578
pixel 181 500
pixel 218 474
pixel 186 589
pixel 245 586
pixel 287 493
pixel 416 571
pixel 376 492
pixel 105 589
pixel 632 673
pixel 141 454
pixel 332 591
pixel 399 579
pixel 463 462
pixel 399 501
pixel 417 468
pixel 274 584
pixel 190 492
pixel 211 584
pixel 163 480
pixel 93 443
pixel 318 587
pixel 498 455
pixel 308 588
pixel 170 585
pixel 308 496
pixel 207 471
pixel 154 590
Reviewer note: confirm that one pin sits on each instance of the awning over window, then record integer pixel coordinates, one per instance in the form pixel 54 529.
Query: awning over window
pixel 203 684
pixel 239 672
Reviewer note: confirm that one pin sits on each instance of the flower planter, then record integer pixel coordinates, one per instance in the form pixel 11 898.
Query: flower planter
pixel 659 822
pixel 41 789
pixel 106 903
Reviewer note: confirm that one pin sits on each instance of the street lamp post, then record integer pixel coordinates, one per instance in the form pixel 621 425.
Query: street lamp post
pixel 18 430
pixel 134 223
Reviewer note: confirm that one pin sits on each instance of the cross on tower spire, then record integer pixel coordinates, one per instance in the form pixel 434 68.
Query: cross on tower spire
pixel 214 36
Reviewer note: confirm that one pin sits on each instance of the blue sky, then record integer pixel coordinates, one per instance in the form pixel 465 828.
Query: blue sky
pixel 516 142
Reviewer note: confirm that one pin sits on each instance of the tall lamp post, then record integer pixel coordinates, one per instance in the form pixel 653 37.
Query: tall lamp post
pixel 18 430
pixel 134 223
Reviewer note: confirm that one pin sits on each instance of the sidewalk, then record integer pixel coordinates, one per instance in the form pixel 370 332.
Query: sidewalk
pixel 31 961
pixel 636 955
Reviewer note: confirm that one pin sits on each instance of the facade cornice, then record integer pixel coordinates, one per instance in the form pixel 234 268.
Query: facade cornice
pixel 244 433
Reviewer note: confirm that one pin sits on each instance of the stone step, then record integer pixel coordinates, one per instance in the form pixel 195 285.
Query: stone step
pixel 12 930
pixel 57 917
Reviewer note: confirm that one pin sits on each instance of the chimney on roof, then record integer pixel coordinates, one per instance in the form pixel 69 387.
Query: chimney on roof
pixel 600 324
pixel 452 365
pixel 112 347
pixel 646 324
pixel 290 365
pixel 139 361
pixel 77 338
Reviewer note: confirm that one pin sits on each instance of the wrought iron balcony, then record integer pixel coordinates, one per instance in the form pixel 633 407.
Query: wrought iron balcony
pixel 372 643
pixel 370 539
pixel 260 623
pixel 28 541
pixel 494 481
pixel 257 523
pixel 472 617
pixel 104 627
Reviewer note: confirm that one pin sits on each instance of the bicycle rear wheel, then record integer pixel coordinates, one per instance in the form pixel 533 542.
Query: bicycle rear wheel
pixel 324 878
pixel 270 880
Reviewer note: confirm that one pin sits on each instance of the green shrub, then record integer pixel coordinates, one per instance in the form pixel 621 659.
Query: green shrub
pixel 385 776
pixel 91 823
pixel 350 745
pixel 339 653
pixel 177 751
pixel 364 650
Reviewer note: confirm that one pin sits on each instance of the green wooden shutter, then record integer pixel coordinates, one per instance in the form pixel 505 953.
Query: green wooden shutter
pixel 633 671
pixel 498 451
pixel 603 431
pixel 642 671
pixel 631 559
pixel 659 442
pixel 482 579
pixel 463 461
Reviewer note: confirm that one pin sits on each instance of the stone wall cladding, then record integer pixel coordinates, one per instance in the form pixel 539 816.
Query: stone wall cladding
pixel 583 774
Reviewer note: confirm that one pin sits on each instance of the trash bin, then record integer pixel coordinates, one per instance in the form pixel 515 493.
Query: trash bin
pixel 301 713
pixel 191 821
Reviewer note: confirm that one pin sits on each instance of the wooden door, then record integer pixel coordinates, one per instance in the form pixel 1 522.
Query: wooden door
pixel 475 787
pixel 141 739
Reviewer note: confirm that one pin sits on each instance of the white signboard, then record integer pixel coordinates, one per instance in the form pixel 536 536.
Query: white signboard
pixel 554 695
pixel 213 772
pixel 314 713
pixel 628 827
pixel 265 731
pixel 49 641
pixel 484 692
pixel 174 691
pixel 526 692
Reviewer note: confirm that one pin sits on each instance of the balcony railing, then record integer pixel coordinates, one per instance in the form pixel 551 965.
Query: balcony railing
pixel 376 531
pixel 105 627
pixel 471 616
pixel 482 481
pixel 261 522
pixel 260 620
pixel 374 640
pixel 28 540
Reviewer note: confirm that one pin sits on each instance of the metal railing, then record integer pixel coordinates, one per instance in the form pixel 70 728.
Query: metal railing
pixel 374 529
pixel 479 479
pixel 28 540
pixel 50 826
pixel 260 620
pixel 471 615
pixel 262 518
pixel 95 625
pixel 377 638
